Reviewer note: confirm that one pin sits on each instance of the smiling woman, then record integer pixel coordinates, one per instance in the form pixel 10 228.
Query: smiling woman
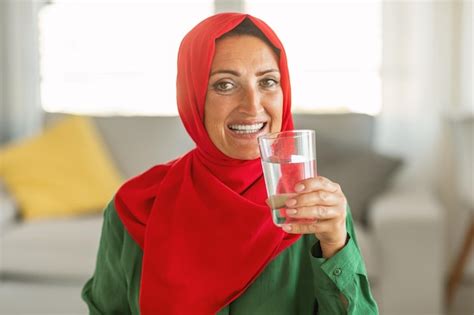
pixel 195 235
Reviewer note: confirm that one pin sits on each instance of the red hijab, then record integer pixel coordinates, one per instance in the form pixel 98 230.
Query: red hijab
pixel 201 220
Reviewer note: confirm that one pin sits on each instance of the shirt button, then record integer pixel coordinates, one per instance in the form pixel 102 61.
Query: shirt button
pixel 337 271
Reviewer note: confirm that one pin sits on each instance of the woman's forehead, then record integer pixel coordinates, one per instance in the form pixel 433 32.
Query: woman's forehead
pixel 244 50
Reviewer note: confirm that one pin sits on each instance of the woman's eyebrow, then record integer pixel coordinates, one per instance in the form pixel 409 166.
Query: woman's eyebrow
pixel 237 74
pixel 225 71
pixel 260 73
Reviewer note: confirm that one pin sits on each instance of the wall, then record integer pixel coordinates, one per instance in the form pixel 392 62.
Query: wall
pixel 466 67
pixel 229 6
pixel 459 216
pixel 20 109
pixel 2 72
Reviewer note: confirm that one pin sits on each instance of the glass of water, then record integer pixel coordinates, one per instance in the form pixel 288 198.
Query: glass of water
pixel 287 158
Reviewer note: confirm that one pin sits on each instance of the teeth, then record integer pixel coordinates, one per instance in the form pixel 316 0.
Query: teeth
pixel 246 128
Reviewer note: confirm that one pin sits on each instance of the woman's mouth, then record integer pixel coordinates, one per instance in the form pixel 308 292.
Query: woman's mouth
pixel 247 128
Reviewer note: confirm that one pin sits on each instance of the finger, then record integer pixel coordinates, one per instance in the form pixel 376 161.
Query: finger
pixel 317 227
pixel 307 228
pixel 314 212
pixel 317 183
pixel 319 197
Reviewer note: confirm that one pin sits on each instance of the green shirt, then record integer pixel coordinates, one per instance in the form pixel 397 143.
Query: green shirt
pixel 296 282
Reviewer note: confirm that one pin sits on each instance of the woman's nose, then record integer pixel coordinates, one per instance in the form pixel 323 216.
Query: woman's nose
pixel 251 102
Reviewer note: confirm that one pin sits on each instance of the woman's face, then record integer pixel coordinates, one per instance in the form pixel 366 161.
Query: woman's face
pixel 244 98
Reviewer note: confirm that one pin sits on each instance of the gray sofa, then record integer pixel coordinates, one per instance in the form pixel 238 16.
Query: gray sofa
pixel 43 264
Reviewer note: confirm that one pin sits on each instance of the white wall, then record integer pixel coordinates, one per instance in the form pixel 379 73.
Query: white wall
pixel 2 72
pixel 466 66
pixel 448 179
pixel 20 99
pixel 460 220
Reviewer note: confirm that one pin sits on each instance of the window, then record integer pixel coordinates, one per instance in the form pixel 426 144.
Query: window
pixel 334 51
pixel 114 57
pixel 109 57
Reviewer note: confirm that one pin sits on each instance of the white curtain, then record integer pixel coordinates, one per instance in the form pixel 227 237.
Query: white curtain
pixel 427 74
pixel 20 108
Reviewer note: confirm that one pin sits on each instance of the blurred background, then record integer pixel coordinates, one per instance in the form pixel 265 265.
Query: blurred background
pixel 87 100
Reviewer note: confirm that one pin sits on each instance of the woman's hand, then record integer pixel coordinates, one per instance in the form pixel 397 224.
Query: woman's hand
pixel 323 202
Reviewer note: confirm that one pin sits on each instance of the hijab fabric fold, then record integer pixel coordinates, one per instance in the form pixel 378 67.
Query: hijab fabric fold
pixel 201 220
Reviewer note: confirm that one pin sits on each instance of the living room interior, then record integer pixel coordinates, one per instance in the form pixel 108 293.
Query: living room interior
pixel 87 101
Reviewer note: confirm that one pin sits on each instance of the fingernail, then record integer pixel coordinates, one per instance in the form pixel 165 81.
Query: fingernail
pixel 287 228
pixel 291 211
pixel 290 202
pixel 299 187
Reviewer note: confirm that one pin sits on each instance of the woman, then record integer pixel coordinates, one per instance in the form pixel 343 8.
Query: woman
pixel 194 236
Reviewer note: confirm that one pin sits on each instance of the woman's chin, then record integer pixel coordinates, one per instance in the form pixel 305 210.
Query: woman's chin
pixel 243 154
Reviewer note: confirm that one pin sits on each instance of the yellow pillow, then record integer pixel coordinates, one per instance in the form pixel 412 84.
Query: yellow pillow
pixel 65 170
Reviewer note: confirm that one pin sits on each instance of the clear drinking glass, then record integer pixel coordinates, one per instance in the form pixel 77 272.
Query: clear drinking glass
pixel 287 158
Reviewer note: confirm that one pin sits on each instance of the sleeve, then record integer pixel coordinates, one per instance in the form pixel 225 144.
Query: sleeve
pixel 344 273
pixel 106 291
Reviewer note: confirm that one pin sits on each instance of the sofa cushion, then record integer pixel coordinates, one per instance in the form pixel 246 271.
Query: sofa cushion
pixel 62 249
pixel 362 174
pixel 344 152
pixel 62 171
pixel 347 130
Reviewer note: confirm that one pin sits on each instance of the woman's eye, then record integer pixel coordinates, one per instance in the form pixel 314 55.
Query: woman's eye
pixel 223 86
pixel 268 83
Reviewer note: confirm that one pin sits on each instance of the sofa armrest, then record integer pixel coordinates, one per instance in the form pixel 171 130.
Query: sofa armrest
pixel 408 238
